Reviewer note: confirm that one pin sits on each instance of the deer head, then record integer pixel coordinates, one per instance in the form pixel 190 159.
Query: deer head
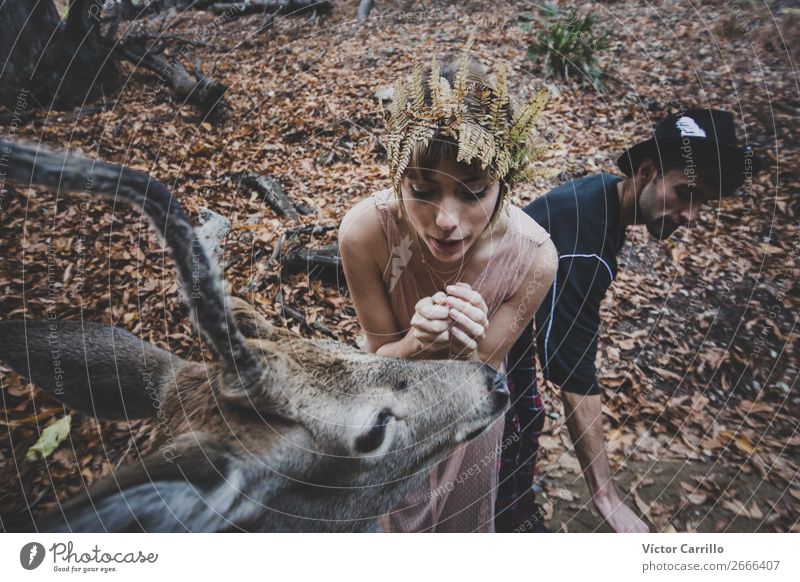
pixel 282 433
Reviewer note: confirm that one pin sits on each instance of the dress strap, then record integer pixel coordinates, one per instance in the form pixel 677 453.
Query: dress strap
pixel 390 227
pixel 388 223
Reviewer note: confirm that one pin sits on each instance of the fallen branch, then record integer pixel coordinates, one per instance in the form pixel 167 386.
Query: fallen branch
pixel 300 318
pixel 292 234
pixel 283 7
pixel 324 264
pixel 309 229
pixel 272 192
pixel 191 87
pixel 363 9
pixel 163 39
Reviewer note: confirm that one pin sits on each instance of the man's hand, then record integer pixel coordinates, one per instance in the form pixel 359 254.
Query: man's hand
pixel 617 515
pixel 585 424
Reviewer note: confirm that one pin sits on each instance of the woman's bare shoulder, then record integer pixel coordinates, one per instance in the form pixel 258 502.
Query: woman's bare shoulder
pixel 361 223
pixel 361 232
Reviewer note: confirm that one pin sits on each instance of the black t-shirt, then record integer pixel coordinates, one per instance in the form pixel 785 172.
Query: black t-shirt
pixel 582 217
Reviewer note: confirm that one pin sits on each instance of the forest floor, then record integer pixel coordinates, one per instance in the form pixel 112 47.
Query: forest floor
pixel 698 358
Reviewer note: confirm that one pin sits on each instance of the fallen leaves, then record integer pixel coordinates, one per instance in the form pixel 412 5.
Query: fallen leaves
pixel 741 442
pixel 740 509
pixel 667 374
pixel 692 366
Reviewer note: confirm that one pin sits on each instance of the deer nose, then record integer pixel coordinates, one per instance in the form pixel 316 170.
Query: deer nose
pixel 497 385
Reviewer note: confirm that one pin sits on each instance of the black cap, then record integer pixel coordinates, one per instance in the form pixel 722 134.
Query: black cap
pixel 705 138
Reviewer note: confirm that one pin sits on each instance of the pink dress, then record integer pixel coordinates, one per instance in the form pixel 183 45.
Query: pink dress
pixel 460 493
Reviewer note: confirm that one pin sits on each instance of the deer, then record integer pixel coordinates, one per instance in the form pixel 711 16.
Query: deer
pixel 279 433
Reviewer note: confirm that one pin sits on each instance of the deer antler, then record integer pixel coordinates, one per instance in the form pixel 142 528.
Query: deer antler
pixel 34 165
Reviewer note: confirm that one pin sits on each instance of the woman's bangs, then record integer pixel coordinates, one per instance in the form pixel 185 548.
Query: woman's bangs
pixel 438 151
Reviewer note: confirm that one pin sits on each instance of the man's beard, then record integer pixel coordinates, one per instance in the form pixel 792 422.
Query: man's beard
pixel 662 228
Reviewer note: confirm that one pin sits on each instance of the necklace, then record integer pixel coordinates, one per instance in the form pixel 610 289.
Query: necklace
pixel 453 274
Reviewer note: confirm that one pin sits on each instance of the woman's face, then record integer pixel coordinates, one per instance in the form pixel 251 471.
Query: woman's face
pixel 449 208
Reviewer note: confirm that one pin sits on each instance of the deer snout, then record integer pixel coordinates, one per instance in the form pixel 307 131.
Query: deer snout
pixel 497 385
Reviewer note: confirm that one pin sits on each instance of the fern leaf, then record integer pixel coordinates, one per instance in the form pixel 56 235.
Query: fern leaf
pixel 417 96
pixel 526 118
pixel 433 83
pixel 498 109
pixel 460 82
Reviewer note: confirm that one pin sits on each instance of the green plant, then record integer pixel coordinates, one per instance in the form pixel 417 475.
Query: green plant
pixel 568 45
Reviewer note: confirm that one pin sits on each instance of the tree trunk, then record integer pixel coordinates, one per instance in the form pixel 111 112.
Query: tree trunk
pixel 52 63
pixel 188 86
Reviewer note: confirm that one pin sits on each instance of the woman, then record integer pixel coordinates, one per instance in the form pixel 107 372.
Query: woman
pixel 440 266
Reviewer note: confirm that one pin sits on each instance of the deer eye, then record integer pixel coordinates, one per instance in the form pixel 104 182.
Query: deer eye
pixel 375 436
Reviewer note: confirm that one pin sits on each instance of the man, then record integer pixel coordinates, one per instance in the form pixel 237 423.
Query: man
pixel 691 159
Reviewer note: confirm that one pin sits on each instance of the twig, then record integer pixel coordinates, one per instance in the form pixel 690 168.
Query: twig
pixel 293 234
pixel 272 193
pixel 178 38
pixel 125 454
pixel 301 319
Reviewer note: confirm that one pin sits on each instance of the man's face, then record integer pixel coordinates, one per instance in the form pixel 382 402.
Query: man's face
pixel 671 201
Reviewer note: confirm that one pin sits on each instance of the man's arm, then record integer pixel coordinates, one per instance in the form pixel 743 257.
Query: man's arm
pixel 585 424
pixel 567 330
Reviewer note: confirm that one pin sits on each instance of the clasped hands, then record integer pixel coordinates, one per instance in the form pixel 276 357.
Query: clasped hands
pixel 455 321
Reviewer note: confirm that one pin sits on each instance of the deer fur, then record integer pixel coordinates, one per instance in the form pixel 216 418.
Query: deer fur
pixel 281 433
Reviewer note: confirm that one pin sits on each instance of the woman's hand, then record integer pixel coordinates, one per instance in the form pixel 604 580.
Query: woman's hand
pixel 453 324
pixel 469 314
pixel 430 324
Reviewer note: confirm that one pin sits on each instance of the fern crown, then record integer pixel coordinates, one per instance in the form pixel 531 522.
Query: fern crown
pixel 482 131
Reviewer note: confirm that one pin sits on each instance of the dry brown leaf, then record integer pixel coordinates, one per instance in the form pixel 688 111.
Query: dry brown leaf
pixel 697 498
pixel 742 442
pixel 667 374
pixel 563 494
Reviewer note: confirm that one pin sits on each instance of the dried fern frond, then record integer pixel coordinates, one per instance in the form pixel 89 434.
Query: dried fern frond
pixel 397 111
pixel 460 82
pixel 528 115
pixel 475 141
pixel 433 81
pixel 417 95
pixel 418 132
pixel 500 103
pixel 487 131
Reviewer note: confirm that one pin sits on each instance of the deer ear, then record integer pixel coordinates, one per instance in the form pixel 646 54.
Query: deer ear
pixel 194 485
pixel 96 369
